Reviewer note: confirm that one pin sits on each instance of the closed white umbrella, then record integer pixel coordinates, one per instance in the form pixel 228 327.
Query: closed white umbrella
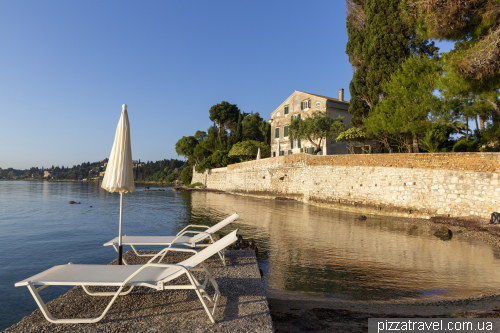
pixel 258 154
pixel 119 176
pixel 278 152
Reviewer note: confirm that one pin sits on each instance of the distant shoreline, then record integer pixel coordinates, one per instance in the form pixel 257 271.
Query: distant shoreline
pixel 82 181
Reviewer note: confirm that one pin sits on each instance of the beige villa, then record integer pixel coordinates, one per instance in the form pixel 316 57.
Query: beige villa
pixel 301 104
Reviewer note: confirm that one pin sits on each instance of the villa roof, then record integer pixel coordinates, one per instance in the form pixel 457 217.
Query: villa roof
pixel 333 99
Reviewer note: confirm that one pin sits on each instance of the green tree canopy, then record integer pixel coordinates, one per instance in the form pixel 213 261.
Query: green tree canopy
pixel 187 175
pixel 473 24
pixel 379 42
pixel 256 128
pixel 185 147
pixel 315 128
pixel 224 115
pixel 218 159
pixel 410 99
pixel 248 149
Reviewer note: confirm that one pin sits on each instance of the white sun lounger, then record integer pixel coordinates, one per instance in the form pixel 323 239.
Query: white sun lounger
pixel 179 239
pixel 152 275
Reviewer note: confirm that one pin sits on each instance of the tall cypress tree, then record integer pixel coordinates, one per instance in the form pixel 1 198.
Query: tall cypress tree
pixel 379 42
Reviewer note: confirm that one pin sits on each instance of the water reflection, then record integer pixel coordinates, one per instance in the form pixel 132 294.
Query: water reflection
pixel 301 248
pixel 318 250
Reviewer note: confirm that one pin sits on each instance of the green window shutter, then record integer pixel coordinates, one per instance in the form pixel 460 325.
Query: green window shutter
pixel 289 152
pixel 277 132
pixel 298 145
pixel 285 132
pixel 301 150
pixel 302 105
pixel 274 154
pixel 291 144
pixel 286 109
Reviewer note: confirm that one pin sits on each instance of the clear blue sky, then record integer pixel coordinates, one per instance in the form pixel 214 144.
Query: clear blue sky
pixel 67 67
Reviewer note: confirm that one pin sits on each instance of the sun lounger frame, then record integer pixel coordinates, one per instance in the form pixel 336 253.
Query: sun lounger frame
pixel 160 285
pixel 174 242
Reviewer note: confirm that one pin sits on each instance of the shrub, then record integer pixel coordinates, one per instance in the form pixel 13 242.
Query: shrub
pixel 491 137
pixel 187 175
pixel 465 145
pixel 247 150
pixel 432 140
pixel 218 159
pixel 194 185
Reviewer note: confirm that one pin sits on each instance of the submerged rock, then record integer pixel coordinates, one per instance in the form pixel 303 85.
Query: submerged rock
pixel 362 217
pixel 240 244
pixel 73 202
pixel 444 233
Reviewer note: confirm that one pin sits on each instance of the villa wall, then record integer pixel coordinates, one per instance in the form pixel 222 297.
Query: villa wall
pixel 411 185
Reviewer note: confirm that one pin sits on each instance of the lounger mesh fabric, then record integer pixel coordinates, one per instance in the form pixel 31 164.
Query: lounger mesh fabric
pixel 179 240
pixel 167 240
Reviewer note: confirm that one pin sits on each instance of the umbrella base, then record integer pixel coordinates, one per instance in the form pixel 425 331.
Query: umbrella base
pixel 120 251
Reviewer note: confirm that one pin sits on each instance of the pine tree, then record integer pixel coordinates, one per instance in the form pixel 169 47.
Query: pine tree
pixel 379 42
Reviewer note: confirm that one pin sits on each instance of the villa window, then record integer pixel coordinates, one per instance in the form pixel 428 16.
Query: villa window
pixel 285 132
pixel 277 133
pixel 286 110
pixel 305 105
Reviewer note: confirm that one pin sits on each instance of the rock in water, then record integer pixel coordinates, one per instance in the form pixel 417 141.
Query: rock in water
pixel 444 233
pixel 73 202
pixel 362 217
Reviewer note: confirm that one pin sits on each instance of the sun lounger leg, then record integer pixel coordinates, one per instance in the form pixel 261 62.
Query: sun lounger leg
pixel 222 254
pixel 49 317
pixel 197 290
pixel 141 255
pixel 163 256
pixel 91 293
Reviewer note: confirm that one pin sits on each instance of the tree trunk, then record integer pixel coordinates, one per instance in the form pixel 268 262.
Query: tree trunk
pixel 316 145
pixel 477 125
pixel 408 144
pixel 379 146
pixel 481 123
pixel 496 111
pixel 467 128
pixel 415 144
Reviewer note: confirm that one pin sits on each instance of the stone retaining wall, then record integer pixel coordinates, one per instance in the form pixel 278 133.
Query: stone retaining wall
pixel 411 185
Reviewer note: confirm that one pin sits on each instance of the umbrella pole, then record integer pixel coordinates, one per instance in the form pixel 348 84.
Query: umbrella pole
pixel 120 246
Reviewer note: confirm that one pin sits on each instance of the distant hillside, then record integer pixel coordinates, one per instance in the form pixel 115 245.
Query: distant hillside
pixel 159 171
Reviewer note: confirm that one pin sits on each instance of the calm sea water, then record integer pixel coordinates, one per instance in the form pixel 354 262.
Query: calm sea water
pixel 302 249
